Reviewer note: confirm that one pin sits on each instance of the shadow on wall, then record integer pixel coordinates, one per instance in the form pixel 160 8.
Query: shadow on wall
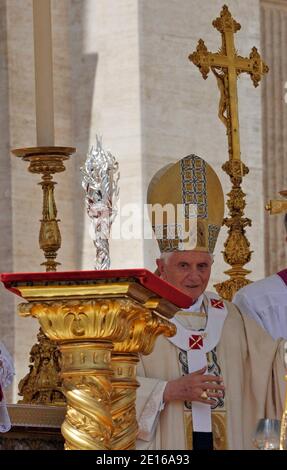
pixel 84 67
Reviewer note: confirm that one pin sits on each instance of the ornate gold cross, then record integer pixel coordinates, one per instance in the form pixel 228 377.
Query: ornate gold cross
pixel 227 65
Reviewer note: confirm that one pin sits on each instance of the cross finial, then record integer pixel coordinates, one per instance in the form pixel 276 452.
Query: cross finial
pixel 225 23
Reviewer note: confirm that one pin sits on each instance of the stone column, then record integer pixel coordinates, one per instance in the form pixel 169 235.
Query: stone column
pixel 274 102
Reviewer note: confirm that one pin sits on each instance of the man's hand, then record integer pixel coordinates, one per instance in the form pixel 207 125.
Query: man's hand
pixel 191 386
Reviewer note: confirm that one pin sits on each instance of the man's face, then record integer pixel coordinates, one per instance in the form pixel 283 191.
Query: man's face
pixel 189 271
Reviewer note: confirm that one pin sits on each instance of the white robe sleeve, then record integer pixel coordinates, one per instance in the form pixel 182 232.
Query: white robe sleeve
pixel 245 306
pixel 149 404
pixel 6 376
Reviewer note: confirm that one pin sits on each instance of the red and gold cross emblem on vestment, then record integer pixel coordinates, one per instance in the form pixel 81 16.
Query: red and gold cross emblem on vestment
pixel 217 303
pixel 195 342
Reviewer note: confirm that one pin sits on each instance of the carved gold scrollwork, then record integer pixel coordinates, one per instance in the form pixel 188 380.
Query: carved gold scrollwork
pixel 43 385
pixel 144 333
pixel 75 319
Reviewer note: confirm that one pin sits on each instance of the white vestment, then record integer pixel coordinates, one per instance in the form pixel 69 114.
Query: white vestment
pixel 266 302
pixel 253 370
pixel 6 376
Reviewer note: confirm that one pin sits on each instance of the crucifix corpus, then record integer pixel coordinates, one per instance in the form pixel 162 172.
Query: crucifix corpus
pixel 227 65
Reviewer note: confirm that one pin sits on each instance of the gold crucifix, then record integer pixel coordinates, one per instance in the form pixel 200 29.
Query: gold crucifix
pixel 227 65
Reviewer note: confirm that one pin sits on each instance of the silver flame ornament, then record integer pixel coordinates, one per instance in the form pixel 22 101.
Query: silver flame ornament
pixel 100 182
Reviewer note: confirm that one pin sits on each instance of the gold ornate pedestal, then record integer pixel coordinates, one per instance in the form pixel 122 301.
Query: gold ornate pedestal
pixel 100 326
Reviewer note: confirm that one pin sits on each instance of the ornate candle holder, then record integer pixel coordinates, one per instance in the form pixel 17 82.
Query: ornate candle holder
pixel 47 161
pixel 42 384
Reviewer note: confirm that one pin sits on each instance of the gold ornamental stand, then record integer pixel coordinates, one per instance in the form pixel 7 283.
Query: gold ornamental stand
pixel 101 321
pixel 42 384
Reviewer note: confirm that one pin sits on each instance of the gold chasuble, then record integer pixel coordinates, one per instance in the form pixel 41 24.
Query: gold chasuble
pixel 253 369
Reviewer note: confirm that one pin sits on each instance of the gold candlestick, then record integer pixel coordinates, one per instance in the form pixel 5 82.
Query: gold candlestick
pixel 40 386
pixel 47 161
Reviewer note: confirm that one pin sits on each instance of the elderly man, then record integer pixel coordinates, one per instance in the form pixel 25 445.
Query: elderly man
pixel 207 386
pixel 266 301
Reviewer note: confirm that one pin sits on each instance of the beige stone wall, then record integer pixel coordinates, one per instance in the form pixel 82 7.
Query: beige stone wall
pixel 179 109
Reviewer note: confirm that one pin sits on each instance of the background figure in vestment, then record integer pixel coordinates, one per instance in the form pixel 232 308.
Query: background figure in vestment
pixel 266 301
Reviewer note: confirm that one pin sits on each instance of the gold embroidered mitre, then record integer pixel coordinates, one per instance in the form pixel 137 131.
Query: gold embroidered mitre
pixel 186 205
